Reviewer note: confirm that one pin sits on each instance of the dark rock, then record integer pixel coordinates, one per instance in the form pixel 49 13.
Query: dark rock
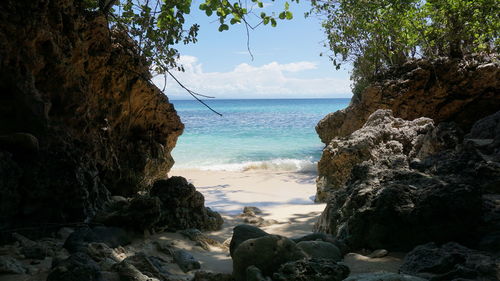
pixel 254 274
pixel 19 143
pixel 320 250
pixel 67 90
pixel 486 128
pixel 111 236
pixel 35 250
pixel 311 270
pixel 146 265
pixel 183 207
pixel 211 276
pixel 451 261
pixel 243 232
pixel 64 233
pixel 267 253
pixel 390 198
pixel 128 272
pixel 320 236
pixel 383 276
pixel 100 251
pixel 186 261
pixel 141 213
pixel 9 265
pixel 78 267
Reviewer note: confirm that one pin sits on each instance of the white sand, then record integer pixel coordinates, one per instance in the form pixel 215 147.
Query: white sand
pixel 285 197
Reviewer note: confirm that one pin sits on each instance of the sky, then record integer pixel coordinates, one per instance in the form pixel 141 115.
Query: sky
pixel 286 64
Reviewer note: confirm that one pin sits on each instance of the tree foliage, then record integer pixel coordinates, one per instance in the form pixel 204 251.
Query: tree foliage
pixel 377 34
pixel 157 26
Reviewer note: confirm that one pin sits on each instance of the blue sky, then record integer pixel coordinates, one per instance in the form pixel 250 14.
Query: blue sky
pixel 287 61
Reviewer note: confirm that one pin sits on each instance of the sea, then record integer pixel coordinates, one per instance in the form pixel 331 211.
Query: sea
pixel 252 134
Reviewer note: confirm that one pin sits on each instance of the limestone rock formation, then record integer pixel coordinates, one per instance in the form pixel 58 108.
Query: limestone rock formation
pixel 400 191
pixel 383 139
pixel 87 123
pixel 445 90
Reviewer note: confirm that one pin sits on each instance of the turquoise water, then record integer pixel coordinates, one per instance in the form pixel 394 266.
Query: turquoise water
pixel 275 134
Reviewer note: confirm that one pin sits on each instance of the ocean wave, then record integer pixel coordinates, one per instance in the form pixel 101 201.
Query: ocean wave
pixel 290 165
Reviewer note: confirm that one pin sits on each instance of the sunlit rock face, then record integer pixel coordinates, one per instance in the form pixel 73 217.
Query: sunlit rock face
pixel 78 119
pixel 403 183
pixel 462 91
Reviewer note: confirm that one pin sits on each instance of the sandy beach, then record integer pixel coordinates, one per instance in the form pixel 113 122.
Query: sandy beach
pixel 285 197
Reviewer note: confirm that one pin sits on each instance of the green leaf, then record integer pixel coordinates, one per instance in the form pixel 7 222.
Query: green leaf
pixel 289 15
pixel 223 27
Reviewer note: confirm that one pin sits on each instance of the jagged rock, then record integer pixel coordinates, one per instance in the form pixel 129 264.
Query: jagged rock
pixel 147 265
pixel 390 197
pixel 211 276
pixel 201 239
pixel 183 207
pixel 311 270
pixel 320 250
pixel 451 261
pixel 79 92
pixel 462 91
pixel 78 267
pixel 186 261
pixel 383 276
pixel 9 265
pixel 36 250
pixel 128 272
pixel 111 236
pixel 139 214
pixel 267 253
pixel 101 251
pixel 243 232
pixel 382 139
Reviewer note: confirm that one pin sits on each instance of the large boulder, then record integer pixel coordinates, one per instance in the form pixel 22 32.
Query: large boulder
pixel 266 253
pixel 406 187
pixel 451 261
pixel 242 233
pixel 183 207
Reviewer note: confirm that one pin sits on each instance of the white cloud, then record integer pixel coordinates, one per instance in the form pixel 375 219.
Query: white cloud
pixel 271 80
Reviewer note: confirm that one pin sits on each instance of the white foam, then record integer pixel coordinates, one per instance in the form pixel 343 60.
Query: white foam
pixel 290 165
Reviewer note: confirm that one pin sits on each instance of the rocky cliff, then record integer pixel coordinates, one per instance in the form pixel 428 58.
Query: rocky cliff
pixel 462 91
pixel 78 119
pixel 415 159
